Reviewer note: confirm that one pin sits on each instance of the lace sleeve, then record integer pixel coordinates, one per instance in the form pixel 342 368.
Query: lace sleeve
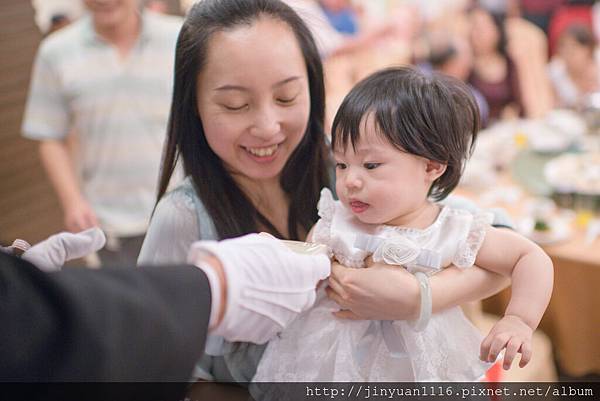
pixel 326 208
pixel 468 248
pixel 173 228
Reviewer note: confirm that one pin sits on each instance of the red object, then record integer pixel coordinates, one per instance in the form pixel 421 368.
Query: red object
pixel 493 376
pixel 564 17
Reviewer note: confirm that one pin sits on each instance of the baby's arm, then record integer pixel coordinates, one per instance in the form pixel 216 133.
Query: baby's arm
pixel 507 253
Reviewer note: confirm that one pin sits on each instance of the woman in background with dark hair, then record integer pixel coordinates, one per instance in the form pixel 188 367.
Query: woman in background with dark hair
pixel 494 74
pixel 247 125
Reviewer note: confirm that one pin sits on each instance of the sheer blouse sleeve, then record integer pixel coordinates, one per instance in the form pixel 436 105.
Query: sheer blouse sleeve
pixel 173 228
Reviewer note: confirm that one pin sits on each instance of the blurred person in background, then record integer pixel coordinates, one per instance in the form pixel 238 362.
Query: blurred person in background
pixel 571 12
pixel 341 15
pixel 538 12
pixel 574 70
pixel 331 41
pixel 453 56
pixel 106 77
pixel 494 73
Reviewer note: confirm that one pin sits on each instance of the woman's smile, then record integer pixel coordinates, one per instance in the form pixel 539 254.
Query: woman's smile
pixel 263 154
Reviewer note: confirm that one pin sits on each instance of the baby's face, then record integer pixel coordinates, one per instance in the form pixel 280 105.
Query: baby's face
pixel 379 183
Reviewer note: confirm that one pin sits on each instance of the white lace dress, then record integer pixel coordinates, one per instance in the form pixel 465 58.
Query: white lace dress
pixel 317 346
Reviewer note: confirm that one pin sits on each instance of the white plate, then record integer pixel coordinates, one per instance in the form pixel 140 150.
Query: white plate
pixel 578 173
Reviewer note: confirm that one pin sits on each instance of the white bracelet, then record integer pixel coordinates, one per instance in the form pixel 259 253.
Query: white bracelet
pixel 426 305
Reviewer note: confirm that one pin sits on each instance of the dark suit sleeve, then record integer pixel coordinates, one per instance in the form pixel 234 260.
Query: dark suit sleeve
pixel 138 324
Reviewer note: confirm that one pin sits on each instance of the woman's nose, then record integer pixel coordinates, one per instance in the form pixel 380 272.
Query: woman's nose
pixel 266 123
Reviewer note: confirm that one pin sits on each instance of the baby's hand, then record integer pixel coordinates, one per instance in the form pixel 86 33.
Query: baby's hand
pixel 512 333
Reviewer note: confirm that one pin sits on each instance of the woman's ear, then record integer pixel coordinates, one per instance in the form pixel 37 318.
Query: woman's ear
pixel 434 170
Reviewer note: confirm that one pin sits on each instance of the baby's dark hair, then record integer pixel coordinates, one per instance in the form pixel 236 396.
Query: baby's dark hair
pixel 433 116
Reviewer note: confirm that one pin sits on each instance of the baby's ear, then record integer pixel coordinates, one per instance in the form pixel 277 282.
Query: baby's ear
pixel 434 170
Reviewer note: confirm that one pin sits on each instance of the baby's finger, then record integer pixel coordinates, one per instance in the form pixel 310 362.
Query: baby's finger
pixel 498 344
pixel 484 350
pixel 511 352
pixel 526 352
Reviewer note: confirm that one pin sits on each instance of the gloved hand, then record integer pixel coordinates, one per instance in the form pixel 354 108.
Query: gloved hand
pixel 52 253
pixel 268 285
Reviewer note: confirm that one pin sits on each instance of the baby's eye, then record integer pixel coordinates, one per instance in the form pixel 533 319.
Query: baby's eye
pixel 341 166
pixel 371 166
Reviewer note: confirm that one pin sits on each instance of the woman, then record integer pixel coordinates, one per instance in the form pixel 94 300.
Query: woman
pixel 247 124
pixel 494 73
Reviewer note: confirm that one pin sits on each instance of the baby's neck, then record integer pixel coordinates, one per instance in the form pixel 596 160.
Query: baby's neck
pixel 420 218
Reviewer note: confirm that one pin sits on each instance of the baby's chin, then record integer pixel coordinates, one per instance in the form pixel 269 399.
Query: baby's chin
pixel 369 219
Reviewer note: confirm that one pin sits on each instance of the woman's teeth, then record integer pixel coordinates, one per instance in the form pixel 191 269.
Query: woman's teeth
pixel 263 152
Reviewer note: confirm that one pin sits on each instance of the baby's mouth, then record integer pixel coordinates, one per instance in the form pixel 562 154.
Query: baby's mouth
pixel 358 206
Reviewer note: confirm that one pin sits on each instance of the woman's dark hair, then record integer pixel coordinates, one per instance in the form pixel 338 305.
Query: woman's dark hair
pixel 499 20
pixel 433 116
pixel 306 171
pixel 582 35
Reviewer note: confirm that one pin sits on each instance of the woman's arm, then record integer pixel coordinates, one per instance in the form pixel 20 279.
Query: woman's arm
pixel 384 292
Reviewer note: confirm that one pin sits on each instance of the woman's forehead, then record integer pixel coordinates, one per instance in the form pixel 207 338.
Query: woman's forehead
pixel 267 48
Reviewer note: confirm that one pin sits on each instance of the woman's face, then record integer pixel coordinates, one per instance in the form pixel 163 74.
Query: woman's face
pixel 253 97
pixel 484 32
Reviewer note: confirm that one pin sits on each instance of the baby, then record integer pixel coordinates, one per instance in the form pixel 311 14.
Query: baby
pixel 400 141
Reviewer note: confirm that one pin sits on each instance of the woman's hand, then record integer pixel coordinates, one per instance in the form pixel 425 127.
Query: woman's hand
pixel 381 292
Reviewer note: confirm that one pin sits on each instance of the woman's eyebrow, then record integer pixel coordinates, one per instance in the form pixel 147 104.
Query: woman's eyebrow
pixel 244 89
pixel 231 87
pixel 285 81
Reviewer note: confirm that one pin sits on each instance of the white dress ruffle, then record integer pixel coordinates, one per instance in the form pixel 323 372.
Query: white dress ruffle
pixel 317 346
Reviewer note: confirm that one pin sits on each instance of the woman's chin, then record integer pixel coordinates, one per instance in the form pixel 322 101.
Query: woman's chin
pixel 259 173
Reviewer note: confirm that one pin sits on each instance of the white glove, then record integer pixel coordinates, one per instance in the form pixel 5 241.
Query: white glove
pixel 268 285
pixel 52 253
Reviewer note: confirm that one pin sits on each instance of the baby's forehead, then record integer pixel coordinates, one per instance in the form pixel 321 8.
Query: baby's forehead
pixel 366 145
